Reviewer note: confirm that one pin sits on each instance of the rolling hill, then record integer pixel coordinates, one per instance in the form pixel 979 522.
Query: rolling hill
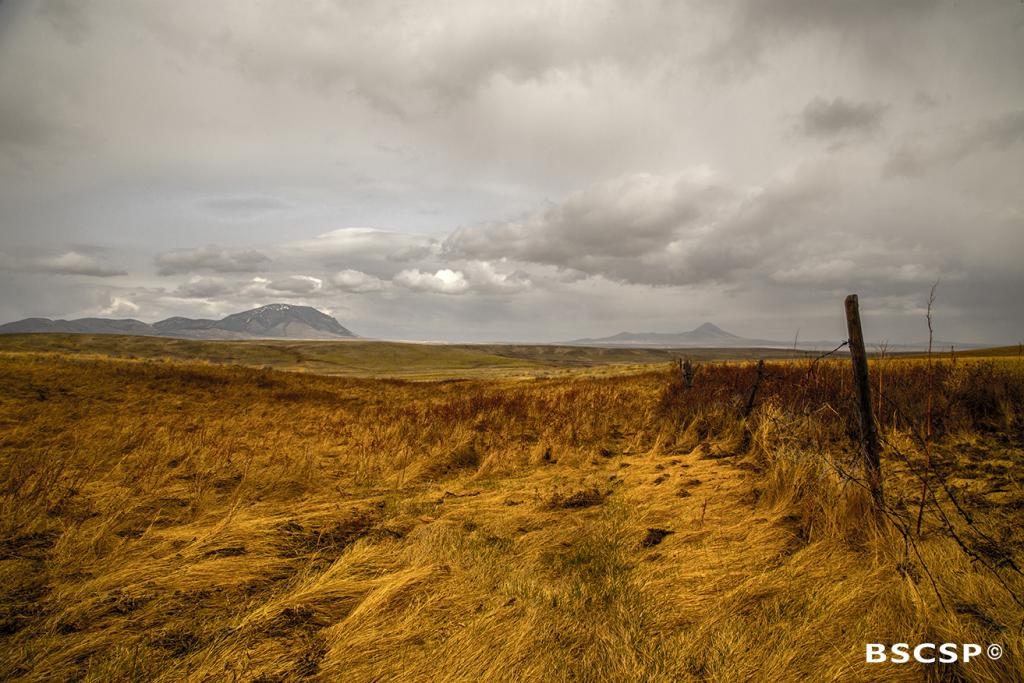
pixel 274 321
pixel 706 335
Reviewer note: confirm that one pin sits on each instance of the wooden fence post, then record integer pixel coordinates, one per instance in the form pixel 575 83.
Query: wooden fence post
pixel 868 433
pixel 753 390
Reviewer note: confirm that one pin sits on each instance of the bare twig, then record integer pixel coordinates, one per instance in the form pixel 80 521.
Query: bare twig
pixel 928 432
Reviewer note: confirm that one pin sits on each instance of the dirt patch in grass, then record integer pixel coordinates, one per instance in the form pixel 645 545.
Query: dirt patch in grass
pixel 580 499
pixel 329 538
pixel 654 537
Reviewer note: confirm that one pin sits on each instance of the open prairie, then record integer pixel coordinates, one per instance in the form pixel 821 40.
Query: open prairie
pixel 363 358
pixel 168 519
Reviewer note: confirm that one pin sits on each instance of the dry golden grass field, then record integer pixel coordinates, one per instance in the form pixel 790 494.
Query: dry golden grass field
pixel 166 520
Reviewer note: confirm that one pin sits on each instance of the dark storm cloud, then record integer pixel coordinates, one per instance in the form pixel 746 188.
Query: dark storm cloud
pixel 832 14
pixel 210 258
pixel 622 218
pixel 997 133
pixel 415 60
pixel 682 229
pixel 22 128
pixel 756 26
pixel 70 18
pixel 823 118
pixel 992 135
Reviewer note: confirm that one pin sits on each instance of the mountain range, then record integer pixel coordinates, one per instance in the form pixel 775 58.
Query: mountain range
pixel 274 321
pixel 285 321
pixel 709 335
pixel 706 335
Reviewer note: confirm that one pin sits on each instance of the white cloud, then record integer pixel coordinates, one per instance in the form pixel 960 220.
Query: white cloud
pixel 72 263
pixel 296 284
pixel 356 281
pixel 203 287
pixel 444 281
pixel 477 277
pixel 119 306
pixel 346 246
pixel 485 279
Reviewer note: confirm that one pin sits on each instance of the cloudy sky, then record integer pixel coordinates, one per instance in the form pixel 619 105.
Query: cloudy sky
pixel 466 170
